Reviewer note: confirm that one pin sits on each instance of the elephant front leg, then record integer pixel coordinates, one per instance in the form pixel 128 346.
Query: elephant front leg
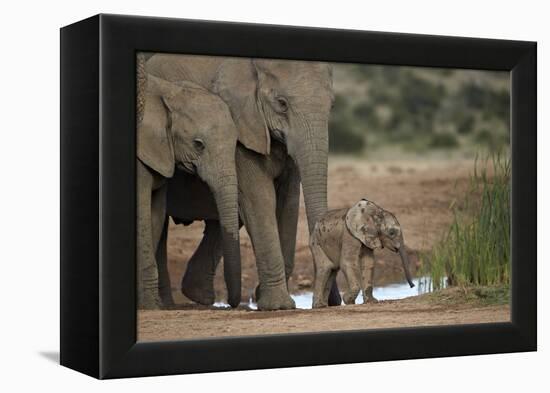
pixel 324 271
pixel 198 281
pixel 367 275
pixel 350 265
pixel 258 203
pixel 160 237
pixel 147 273
pixel 288 204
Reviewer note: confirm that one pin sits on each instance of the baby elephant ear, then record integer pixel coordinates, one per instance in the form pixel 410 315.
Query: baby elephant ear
pixel 361 223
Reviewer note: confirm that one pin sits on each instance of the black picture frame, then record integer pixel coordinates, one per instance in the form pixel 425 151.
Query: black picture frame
pixel 98 278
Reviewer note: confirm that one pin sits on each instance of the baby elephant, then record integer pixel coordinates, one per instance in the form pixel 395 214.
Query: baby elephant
pixel 345 239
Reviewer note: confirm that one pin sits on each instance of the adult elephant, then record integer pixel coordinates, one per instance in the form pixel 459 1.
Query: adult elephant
pixel 281 110
pixel 172 131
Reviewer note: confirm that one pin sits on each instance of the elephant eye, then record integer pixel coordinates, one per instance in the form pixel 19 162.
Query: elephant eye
pixel 282 104
pixel 198 144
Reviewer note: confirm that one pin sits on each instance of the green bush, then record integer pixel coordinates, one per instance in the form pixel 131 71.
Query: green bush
pixel 343 140
pixel 420 96
pixel 445 140
pixel 475 96
pixel 465 123
pixel 342 135
pixel 492 140
pixel 492 103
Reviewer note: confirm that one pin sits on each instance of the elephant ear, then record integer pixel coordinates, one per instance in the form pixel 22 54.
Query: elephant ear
pixel 236 82
pixel 362 224
pixel 154 144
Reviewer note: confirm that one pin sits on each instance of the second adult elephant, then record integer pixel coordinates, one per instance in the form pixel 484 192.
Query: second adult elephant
pixel 281 110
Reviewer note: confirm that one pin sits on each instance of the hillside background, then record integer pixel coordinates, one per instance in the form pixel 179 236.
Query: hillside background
pixel 418 110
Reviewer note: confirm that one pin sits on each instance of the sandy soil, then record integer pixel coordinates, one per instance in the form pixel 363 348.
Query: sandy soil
pixel 418 192
pixel 427 310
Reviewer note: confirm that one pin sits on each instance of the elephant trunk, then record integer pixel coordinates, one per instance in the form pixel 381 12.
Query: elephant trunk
pixel 311 157
pixel 310 151
pixel 405 262
pixel 225 190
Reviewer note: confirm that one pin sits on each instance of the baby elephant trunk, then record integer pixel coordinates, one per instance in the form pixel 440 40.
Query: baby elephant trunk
pixel 405 262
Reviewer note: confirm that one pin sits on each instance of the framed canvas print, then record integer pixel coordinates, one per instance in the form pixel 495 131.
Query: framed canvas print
pixel 240 196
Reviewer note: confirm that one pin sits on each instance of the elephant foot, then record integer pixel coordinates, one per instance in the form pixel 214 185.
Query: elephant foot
pixel 318 303
pixel 350 298
pixel 149 300
pixel 370 300
pixel 368 297
pixel 167 299
pixel 199 291
pixel 276 298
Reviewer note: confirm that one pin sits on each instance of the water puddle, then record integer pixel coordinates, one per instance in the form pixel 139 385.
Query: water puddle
pixel 394 291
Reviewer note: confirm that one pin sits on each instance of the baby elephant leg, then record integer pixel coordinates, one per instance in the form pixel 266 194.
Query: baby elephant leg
pixel 324 271
pixel 367 270
pixel 349 263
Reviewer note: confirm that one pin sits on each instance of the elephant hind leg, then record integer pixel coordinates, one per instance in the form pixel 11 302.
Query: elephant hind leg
pixel 198 281
pixel 354 286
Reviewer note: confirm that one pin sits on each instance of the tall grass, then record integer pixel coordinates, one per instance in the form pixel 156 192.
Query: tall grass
pixel 476 249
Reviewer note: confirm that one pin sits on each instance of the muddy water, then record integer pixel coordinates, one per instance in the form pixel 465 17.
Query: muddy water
pixel 394 291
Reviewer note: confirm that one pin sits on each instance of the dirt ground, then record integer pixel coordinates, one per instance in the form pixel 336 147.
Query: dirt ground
pixel 451 307
pixel 419 192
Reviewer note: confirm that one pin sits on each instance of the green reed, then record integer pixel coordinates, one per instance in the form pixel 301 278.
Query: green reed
pixel 476 249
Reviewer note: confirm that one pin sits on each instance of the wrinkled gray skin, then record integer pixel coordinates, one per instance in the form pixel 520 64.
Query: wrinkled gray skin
pixel 173 132
pixel 281 110
pixel 345 239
